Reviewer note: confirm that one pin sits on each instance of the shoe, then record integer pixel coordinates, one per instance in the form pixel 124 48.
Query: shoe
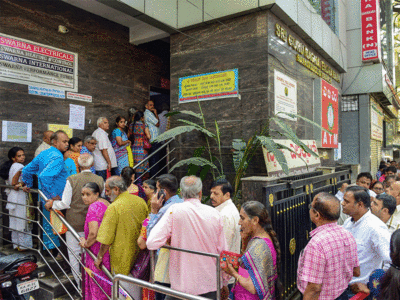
pixel 59 257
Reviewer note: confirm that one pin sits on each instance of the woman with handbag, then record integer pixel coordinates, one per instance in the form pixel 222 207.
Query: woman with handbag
pixel 141 143
pixel 94 217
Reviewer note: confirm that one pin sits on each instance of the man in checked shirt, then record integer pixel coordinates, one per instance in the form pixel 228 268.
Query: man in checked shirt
pixel 329 261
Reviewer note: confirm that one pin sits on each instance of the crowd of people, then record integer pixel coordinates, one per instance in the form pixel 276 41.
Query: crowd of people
pixel 354 248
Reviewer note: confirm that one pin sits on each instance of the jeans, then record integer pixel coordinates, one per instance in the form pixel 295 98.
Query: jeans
pixel 103 173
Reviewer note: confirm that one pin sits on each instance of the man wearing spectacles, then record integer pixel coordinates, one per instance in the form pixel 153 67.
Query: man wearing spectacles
pixel 329 261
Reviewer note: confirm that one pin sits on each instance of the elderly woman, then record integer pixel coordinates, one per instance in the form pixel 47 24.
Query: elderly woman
pixel 94 217
pixel 257 276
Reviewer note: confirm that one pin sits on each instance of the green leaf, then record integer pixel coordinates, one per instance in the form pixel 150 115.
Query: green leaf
pixel 305 119
pixel 280 146
pixel 193 169
pixel 218 136
pixel 172 113
pixel 198 127
pixel 172 133
pixel 198 161
pixel 239 147
pixel 289 133
pixel 272 147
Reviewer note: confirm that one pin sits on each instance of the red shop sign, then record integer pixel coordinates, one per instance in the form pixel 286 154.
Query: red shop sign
pixel 330 115
pixel 370 27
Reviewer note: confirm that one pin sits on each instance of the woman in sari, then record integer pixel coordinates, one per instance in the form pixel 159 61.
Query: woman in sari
pixel 119 142
pixel 128 175
pixel 149 187
pixel 97 208
pixel 17 199
pixel 257 277
pixel 74 150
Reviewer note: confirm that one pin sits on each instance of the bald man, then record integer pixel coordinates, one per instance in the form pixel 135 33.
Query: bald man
pixel 329 260
pixel 394 221
pixel 46 142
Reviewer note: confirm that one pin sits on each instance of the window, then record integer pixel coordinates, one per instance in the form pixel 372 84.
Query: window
pixel 327 9
pixel 350 103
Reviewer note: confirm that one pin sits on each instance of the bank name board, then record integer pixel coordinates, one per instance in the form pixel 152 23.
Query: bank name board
pixel 306 57
pixel 370 41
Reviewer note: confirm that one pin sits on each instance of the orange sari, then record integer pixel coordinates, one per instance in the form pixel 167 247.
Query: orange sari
pixel 75 156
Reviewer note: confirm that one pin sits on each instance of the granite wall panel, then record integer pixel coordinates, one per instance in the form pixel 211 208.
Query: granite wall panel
pixel 114 72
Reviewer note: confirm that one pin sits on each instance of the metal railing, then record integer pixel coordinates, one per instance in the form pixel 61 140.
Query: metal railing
pixel 287 203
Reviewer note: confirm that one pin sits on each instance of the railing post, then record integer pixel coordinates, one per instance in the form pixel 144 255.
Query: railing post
pixel 152 265
pixel 115 288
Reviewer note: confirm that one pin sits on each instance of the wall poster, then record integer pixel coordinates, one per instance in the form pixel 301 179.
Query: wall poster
pixel 376 122
pixel 285 89
pixel 16 132
pixel 209 86
pixel 65 128
pixel 329 115
pixel 298 162
pixel 31 63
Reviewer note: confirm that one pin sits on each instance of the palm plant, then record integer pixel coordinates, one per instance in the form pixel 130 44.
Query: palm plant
pixel 243 151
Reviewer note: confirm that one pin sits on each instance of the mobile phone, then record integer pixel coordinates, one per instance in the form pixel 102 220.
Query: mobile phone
pixel 161 193
pixel 229 257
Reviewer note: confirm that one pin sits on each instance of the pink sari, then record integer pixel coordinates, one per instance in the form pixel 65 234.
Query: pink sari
pixel 92 291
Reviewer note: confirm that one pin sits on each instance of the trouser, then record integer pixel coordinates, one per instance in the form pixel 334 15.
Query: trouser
pixel 154 167
pixel 133 290
pixel 103 173
pixel 73 244
pixel 209 295
pixel 160 296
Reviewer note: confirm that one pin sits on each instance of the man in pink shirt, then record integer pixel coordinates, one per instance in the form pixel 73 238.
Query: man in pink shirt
pixel 330 260
pixel 193 226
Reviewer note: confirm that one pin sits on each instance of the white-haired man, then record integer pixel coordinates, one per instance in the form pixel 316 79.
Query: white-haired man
pixel 104 155
pixel 76 210
pixel 191 273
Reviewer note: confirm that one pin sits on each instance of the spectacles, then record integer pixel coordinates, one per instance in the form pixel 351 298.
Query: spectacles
pixel 378 189
pixel 312 207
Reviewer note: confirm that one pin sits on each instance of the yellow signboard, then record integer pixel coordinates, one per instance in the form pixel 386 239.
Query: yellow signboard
pixel 55 127
pixel 209 86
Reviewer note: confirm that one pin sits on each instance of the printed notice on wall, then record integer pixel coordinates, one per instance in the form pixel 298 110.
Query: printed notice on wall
pixel 47 92
pixel 285 95
pixel 298 160
pixel 65 128
pixel 79 97
pixel 16 132
pixel 209 86
pixel 76 116
pixel 30 63
pixel 376 121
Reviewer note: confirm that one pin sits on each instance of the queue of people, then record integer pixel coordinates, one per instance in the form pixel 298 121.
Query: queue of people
pixel 354 247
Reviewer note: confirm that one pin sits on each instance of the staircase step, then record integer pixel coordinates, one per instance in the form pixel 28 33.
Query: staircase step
pixel 52 285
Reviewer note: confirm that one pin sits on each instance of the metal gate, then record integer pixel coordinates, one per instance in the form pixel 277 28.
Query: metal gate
pixel 287 203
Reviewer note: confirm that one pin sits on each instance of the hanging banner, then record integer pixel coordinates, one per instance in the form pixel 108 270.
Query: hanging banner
pixel 31 63
pixel 376 122
pixel 298 162
pixel 209 86
pixel 285 90
pixel 370 27
pixel 330 115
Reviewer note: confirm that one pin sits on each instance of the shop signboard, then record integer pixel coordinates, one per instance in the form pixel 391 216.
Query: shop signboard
pixel 209 86
pixel 298 161
pixel 370 40
pixel 329 115
pixel 285 89
pixel 376 122
pixel 30 63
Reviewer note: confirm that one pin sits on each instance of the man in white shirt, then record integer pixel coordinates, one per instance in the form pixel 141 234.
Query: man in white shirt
pixel 46 142
pixel 371 235
pixel 153 123
pixel 364 179
pixel 76 209
pixel 104 155
pixel 394 190
pixel 221 191
pixel 383 206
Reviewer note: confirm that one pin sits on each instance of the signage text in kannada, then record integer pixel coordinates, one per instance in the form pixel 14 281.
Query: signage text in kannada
pixel 370 37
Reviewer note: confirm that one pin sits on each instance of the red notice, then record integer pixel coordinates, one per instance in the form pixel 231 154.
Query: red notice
pixel 330 115
pixel 370 27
